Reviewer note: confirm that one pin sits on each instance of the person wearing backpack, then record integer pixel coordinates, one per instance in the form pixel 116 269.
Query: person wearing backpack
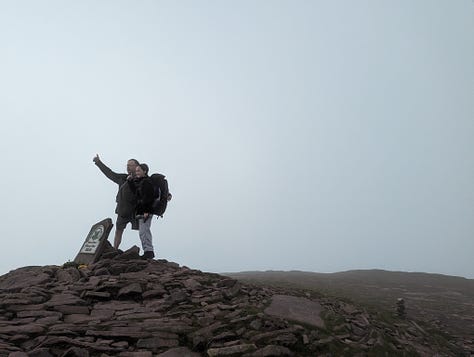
pixel 162 194
pixel 126 198
pixel 142 186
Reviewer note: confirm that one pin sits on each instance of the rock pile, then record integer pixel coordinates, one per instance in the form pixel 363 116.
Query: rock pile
pixel 125 306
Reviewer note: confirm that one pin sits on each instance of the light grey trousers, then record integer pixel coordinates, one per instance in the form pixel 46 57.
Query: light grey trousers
pixel 145 234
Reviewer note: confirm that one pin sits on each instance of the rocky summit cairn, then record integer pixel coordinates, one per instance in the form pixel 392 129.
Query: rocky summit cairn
pixel 125 306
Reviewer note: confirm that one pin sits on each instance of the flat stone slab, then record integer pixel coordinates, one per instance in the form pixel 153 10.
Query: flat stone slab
pixel 179 352
pixel 24 277
pixel 297 309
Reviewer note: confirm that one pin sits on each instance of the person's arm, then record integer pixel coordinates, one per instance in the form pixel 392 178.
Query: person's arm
pixel 115 177
pixel 147 196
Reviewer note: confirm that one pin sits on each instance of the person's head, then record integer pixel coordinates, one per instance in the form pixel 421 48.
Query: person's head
pixel 141 170
pixel 131 166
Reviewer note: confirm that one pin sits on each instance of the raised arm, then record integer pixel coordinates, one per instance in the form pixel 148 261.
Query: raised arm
pixel 114 176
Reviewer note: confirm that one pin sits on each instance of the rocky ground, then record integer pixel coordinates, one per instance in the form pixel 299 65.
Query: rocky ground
pixel 440 304
pixel 125 306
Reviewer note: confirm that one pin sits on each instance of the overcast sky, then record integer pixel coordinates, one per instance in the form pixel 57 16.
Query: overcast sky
pixel 296 135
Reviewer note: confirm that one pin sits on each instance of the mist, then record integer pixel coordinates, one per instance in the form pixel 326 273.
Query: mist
pixel 307 135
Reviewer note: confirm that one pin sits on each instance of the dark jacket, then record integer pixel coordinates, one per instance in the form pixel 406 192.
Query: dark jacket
pixel 143 188
pixel 126 199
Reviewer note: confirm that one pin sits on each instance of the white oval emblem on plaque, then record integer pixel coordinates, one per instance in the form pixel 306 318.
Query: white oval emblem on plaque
pixel 93 240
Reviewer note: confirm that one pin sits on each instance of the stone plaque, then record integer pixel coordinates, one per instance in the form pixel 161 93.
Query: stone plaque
pixel 95 242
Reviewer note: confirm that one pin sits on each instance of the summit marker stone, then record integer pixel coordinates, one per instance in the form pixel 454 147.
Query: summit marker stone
pixel 95 242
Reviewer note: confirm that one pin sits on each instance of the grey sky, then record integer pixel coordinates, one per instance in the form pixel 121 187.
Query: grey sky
pixel 310 135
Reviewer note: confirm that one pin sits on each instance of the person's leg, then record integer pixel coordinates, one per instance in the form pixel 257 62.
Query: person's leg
pixel 146 237
pixel 118 237
pixel 120 225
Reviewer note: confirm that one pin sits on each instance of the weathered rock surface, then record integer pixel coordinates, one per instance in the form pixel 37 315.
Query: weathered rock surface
pixel 124 306
pixel 296 308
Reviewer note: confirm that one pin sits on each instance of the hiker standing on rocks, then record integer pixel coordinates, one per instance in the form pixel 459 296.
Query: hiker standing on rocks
pixel 126 198
pixel 142 186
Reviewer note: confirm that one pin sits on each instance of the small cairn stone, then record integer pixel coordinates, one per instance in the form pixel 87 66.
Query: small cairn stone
pixel 401 308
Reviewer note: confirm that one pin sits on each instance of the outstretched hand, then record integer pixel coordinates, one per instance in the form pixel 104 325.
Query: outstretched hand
pixel 96 159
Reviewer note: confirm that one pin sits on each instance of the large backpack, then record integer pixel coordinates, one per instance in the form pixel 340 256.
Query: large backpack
pixel 162 194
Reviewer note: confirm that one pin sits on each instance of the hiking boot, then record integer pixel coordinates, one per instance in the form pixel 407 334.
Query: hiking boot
pixel 148 255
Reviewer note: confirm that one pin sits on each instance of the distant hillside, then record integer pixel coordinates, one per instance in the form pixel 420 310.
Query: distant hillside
pixel 445 302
